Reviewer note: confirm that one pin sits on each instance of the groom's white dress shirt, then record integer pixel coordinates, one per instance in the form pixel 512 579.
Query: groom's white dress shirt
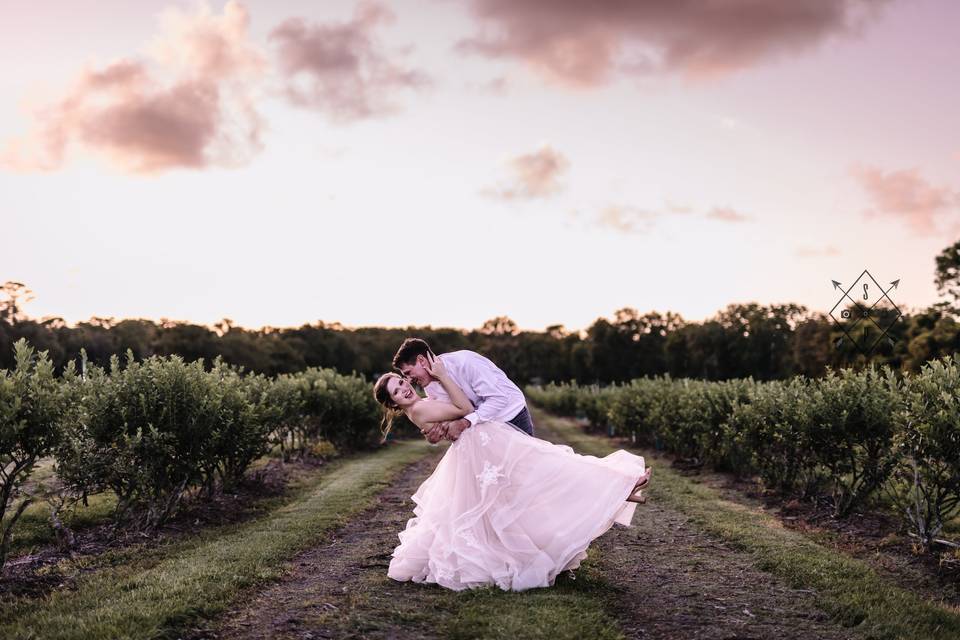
pixel 489 389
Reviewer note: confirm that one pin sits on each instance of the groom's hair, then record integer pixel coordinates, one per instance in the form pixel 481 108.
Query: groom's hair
pixel 409 350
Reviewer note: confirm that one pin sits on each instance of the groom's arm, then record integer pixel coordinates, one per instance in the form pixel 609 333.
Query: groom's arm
pixel 484 380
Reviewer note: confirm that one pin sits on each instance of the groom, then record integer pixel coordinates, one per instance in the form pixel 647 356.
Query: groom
pixel 487 387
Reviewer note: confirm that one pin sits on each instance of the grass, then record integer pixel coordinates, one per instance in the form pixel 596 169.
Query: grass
pixel 33 529
pixel 160 592
pixel 850 591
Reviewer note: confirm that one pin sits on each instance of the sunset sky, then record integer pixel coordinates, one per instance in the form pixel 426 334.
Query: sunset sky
pixel 442 162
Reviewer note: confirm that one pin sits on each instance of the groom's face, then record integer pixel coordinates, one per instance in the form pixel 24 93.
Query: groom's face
pixel 416 371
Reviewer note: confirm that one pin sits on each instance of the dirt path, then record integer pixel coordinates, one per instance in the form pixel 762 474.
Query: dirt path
pixel 677 582
pixel 336 590
pixel 664 579
pixel 674 581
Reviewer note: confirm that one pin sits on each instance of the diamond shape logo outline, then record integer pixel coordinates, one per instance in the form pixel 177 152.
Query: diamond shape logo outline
pixel 866 313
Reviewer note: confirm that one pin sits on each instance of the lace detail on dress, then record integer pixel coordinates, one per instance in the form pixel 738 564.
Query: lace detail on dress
pixel 484 438
pixel 489 475
pixel 469 538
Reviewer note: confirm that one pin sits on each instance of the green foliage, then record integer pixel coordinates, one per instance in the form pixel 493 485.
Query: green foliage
pixel 631 410
pixel 562 398
pixel 774 427
pixel 155 431
pixel 30 403
pixel 849 433
pixel 149 432
pixel 926 482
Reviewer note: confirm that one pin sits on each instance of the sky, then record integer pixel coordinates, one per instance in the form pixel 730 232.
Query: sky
pixel 443 162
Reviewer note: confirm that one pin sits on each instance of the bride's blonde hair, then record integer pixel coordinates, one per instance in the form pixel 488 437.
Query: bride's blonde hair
pixel 390 409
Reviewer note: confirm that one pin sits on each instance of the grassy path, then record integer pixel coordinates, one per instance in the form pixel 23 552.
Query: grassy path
pixel 662 578
pixel 162 592
pixel 340 590
pixel 848 590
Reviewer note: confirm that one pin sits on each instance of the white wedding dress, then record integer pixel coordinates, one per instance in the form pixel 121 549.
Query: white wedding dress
pixel 507 509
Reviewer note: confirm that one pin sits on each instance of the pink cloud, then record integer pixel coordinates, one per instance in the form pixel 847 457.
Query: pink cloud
pixel 533 175
pixel 629 218
pixel 584 43
pixel 626 219
pixel 727 214
pixel 906 195
pixel 340 68
pixel 189 107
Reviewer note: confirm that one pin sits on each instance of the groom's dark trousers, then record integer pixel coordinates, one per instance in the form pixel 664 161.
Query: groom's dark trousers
pixel 523 421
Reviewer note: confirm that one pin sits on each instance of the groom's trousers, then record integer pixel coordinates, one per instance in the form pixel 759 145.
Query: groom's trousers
pixel 522 421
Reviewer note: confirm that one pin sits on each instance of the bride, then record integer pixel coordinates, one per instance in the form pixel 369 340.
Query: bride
pixel 502 507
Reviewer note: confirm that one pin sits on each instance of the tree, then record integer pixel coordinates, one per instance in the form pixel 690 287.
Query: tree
pixel 11 309
pixel 947 277
pixel 500 326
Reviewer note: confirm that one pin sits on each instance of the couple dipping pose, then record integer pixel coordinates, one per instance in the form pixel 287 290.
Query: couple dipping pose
pixel 503 507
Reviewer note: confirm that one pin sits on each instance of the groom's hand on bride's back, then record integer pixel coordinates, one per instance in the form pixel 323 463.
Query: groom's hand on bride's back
pixel 456 427
pixel 436 433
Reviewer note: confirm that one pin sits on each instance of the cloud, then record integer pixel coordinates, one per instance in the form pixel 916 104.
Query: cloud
pixel 533 175
pixel 626 219
pixel 906 195
pixel 189 106
pixel 727 214
pixel 584 43
pixel 630 219
pixel 340 69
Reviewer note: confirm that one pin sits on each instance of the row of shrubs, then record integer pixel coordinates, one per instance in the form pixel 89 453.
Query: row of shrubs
pixel 155 431
pixel 850 434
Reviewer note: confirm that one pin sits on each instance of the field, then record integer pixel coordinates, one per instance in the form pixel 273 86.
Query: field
pixel 286 511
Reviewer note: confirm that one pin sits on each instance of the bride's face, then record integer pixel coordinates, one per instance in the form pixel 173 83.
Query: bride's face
pixel 401 392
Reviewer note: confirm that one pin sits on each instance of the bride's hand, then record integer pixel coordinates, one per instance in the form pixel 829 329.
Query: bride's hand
pixel 435 366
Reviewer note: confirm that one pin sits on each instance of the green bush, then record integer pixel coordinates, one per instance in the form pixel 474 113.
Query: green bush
pixel 718 446
pixel 851 431
pixel 562 398
pixel 925 484
pixel 149 432
pixel 631 409
pixel 30 407
pixel 242 430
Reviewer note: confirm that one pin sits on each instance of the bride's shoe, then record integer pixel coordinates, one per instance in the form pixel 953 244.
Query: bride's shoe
pixel 637 494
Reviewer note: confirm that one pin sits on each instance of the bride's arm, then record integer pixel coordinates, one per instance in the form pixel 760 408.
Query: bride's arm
pixel 427 411
pixel 438 411
pixel 438 370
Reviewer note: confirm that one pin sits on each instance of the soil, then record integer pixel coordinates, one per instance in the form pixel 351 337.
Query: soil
pixel 675 581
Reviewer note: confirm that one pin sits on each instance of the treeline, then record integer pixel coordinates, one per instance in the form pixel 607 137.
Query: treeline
pixel 154 431
pixel 850 435
pixel 766 342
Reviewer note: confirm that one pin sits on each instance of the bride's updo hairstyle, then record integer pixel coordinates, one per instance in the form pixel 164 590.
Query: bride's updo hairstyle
pixel 390 409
